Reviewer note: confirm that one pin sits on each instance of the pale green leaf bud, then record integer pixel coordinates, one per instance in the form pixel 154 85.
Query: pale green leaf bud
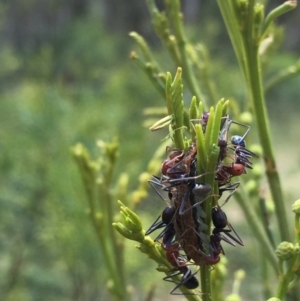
pixel 123 230
pixel 251 186
pixel 134 222
pixel 257 149
pixel 163 268
pixel 246 118
pixel 233 297
pixel 257 171
pixel 240 274
pixel 296 207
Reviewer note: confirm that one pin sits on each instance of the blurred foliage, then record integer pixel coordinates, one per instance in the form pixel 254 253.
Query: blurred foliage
pixel 77 84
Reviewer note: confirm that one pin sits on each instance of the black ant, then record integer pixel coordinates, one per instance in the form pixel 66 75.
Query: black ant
pixel 168 233
pixel 220 222
pixel 180 266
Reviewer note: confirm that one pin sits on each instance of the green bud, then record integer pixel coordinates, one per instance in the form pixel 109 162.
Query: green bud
pixel 131 220
pixel 111 149
pixel 130 224
pixel 270 206
pixel 296 207
pixel 149 242
pixel 148 246
pixel 257 171
pixel 256 148
pixel 222 271
pixel 144 177
pixel 99 220
pixel 251 186
pixel 273 299
pixel 246 118
pixel 172 40
pixel 162 268
pixel 240 274
pixel 99 216
pixel 133 226
pixel 123 181
pixel 258 17
pixel 123 230
pixel 110 285
pixel 233 297
pixel 243 6
pixel 138 195
pixel 285 250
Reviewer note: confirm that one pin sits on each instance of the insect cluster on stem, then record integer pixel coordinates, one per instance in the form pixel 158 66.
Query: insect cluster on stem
pixel 184 231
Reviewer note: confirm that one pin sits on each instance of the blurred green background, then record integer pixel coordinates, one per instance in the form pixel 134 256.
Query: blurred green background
pixel 66 77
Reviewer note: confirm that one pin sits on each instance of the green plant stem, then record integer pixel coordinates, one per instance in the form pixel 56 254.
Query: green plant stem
pixel 297 228
pixel 147 68
pixel 161 27
pixel 227 9
pixel 115 251
pixel 209 153
pixel 206 270
pixel 93 190
pixel 203 66
pixel 282 76
pixel 176 17
pixel 265 277
pixel 256 227
pixel 246 48
pixel 111 234
pixel 259 107
pixel 275 13
pixel 286 279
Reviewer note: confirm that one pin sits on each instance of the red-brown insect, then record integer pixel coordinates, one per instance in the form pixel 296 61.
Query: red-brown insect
pixel 180 265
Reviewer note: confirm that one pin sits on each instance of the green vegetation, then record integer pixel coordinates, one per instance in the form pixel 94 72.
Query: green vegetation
pixel 79 86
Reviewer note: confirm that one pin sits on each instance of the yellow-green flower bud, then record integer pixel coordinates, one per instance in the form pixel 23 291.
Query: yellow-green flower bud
pixel 112 150
pixel 296 207
pixel 252 186
pixel 256 148
pixel 135 222
pixel 233 297
pixel 123 182
pixel 240 274
pixel 270 206
pixel 148 247
pixel 162 268
pixel 110 285
pixel 285 250
pixel 123 230
pixel 153 166
pixel 258 15
pixel 149 242
pixel 257 171
pixel 222 271
pixel 144 177
pixel 246 118
pixel 131 220
pixel 243 6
